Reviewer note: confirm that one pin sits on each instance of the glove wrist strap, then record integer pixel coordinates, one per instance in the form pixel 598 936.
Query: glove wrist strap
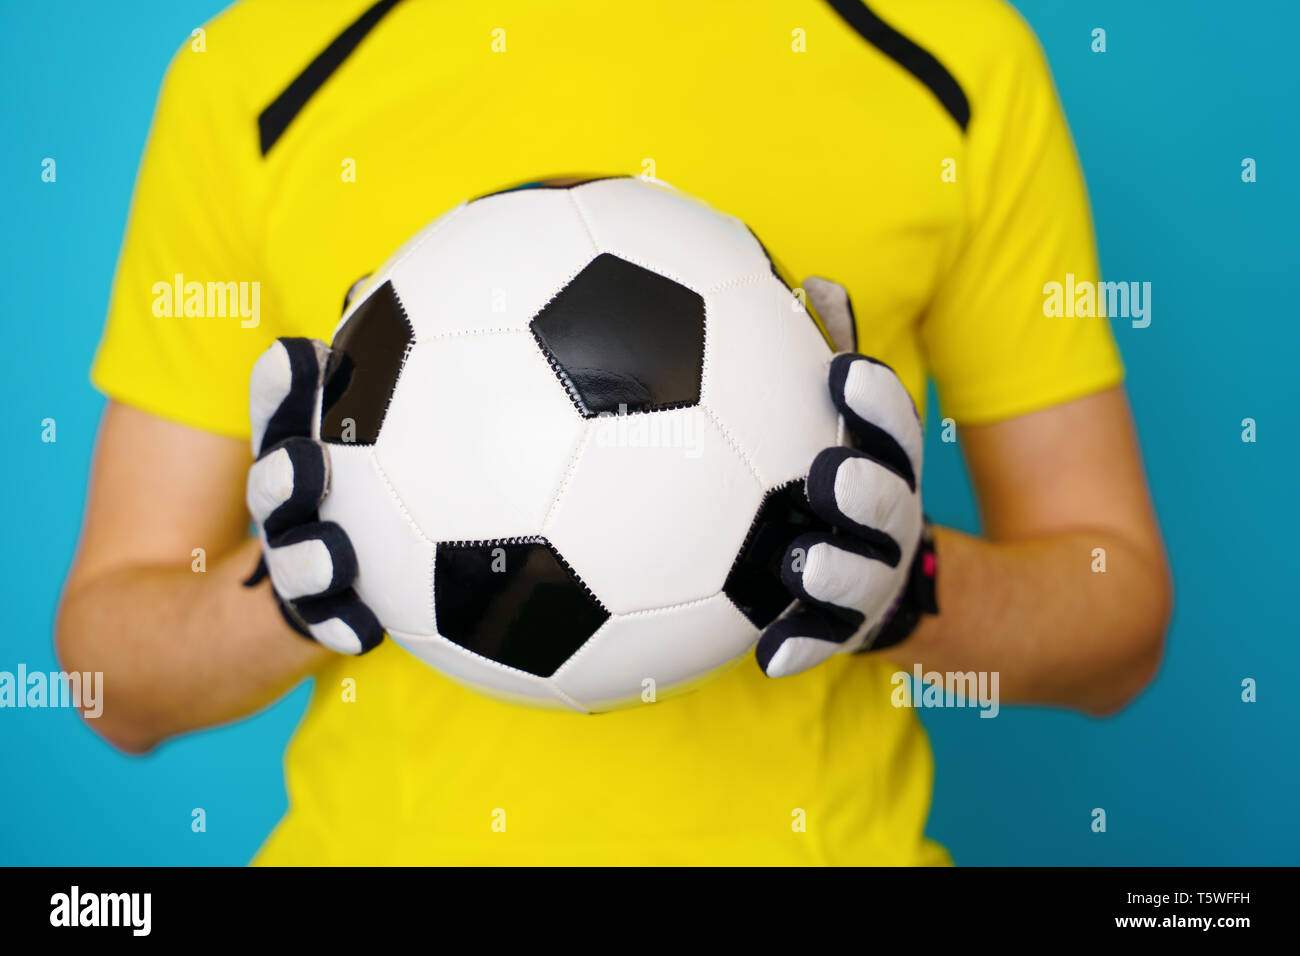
pixel 918 597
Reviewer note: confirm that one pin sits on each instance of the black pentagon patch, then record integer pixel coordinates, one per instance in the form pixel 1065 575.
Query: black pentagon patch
pixel 365 360
pixel 620 335
pixel 514 601
pixel 754 584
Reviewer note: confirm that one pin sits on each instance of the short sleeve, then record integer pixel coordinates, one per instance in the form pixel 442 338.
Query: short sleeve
pixel 992 350
pixel 185 319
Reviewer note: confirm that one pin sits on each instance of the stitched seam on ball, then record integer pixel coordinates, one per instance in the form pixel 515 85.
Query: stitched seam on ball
pixel 555 553
pixel 410 521
pixel 406 357
pixel 545 542
pixel 644 612
pixel 730 439
pixel 401 367
pixel 736 607
pixel 579 447
pixel 622 254
pixel 465 333
pixel 586 223
pixel 652 268
pixel 386 274
pixel 466 652
pixel 447 220
pixel 681 605
pixel 750 279
pixel 576 704
pixel 706 365
pixel 433 589
pixel 493 542
pixel 582 650
pixel 556 369
pixel 704 349
pixel 562 376
pixel 753 528
pixel 401 505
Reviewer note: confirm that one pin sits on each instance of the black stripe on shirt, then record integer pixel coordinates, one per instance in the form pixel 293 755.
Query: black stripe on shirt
pixel 915 59
pixel 275 119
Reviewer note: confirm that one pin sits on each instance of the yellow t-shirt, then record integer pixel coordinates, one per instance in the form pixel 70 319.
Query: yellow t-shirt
pixel 914 151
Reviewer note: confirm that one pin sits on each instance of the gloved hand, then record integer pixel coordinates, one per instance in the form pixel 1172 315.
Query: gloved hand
pixel 311 562
pixel 864 584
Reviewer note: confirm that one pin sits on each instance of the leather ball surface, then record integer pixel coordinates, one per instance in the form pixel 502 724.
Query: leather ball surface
pixel 568 428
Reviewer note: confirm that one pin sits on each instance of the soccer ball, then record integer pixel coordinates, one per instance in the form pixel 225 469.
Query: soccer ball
pixel 568 428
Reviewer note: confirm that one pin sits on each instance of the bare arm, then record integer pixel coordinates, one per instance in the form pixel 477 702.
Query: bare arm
pixel 1025 601
pixel 179 649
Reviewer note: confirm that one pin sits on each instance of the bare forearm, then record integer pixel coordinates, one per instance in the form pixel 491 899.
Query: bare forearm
pixel 180 650
pixel 1035 611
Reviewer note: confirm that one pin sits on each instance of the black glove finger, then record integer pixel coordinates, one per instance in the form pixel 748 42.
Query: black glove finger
pixel 879 413
pixel 840 574
pixel 282 391
pixel 853 492
pixel 340 622
pixel 311 561
pixel 285 485
pixel 802 638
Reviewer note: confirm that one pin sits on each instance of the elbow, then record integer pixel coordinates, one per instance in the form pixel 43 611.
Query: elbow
pixel 1140 667
pixel 119 727
pixel 132 746
pixel 122 735
pixel 1148 623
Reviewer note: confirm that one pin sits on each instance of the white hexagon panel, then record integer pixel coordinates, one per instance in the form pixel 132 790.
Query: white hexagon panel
pixel 570 427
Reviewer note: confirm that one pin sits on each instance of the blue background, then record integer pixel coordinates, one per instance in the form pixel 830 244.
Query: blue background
pixel 1188 774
